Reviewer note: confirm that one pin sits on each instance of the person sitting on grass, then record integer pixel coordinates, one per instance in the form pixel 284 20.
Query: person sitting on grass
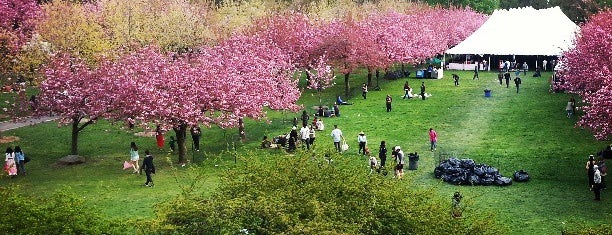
pixel 342 102
pixel 265 143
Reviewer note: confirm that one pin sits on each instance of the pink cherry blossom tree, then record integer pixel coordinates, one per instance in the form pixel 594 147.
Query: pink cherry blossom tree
pixel 219 86
pixel 77 93
pixel 587 69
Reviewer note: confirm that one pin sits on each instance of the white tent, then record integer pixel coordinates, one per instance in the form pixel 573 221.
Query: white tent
pixel 521 31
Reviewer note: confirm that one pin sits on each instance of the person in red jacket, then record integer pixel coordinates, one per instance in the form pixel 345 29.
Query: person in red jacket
pixel 433 138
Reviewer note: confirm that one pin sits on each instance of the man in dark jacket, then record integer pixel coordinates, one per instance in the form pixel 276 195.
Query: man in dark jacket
pixel 517 82
pixel 148 167
pixel 507 77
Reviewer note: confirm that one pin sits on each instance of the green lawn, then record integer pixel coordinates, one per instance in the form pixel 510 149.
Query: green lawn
pixel 510 131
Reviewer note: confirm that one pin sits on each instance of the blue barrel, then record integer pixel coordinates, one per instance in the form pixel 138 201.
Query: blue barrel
pixel 487 93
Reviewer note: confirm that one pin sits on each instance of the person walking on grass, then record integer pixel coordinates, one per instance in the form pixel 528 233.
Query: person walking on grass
pixel 134 157
pixel 20 161
pixel 364 90
pixel 363 141
pixel 525 68
pixel 475 72
pixel 312 135
pixel 337 136
pixel 423 90
pixel 305 136
pixel 456 79
pixel 406 90
pixel 433 139
pixel 388 101
pixel 9 163
pixel 382 153
pixel 571 104
pixel 597 183
pixel 159 137
pixel 517 82
pixel 149 168
pixel 196 133
pixel 507 77
pixel 590 167
pixel 399 162
pixel 500 77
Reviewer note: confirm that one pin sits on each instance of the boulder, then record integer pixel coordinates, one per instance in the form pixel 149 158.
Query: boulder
pixel 70 160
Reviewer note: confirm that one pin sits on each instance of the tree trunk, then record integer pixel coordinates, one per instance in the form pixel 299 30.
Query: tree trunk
pixel 346 86
pixel 241 130
pixel 181 137
pixel 377 77
pixel 74 150
pixel 369 77
pixel 307 79
pixel 403 70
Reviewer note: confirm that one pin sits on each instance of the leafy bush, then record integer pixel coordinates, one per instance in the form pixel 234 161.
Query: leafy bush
pixel 60 213
pixel 304 194
pixel 601 229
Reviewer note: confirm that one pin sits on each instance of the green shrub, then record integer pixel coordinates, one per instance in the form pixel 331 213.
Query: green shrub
pixel 304 194
pixel 598 230
pixel 57 213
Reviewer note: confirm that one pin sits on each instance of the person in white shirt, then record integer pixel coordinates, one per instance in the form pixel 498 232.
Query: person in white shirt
pixel 312 135
pixel 597 181
pixel 361 138
pixel 337 136
pixel 544 63
pixel 320 125
pixel 373 164
pixel 305 134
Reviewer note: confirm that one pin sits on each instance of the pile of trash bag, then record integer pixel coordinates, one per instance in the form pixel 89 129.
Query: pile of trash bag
pixel 467 172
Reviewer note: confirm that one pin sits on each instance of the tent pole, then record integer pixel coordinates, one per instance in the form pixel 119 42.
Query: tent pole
pixel 489 64
pixel 443 61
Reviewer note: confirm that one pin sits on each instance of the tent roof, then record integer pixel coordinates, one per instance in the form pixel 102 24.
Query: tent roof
pixel 521 31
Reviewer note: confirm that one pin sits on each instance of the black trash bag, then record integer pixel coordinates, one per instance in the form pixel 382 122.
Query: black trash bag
pixel 438 172
pixel 503 181
pixel 457 178
pixel 521 176
pixel 468 163
pixel 454 162
pixel 479 170
pixel 475 180
pixel 489 170
pixel 488 180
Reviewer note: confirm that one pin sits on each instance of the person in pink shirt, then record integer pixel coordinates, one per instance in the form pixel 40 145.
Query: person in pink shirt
pixel 433 138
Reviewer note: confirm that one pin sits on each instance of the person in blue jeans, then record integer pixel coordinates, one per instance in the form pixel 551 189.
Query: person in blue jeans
pixel 20 160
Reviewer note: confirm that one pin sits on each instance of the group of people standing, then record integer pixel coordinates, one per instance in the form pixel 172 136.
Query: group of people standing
pixel 506 75
pixel 195 131
pixel 14 162
pixel 396 152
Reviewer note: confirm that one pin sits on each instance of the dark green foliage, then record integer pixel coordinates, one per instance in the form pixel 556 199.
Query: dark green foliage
pixel 598 230
pixel 577 11
pixel 484 6
pixel 59 213
pixel 304 194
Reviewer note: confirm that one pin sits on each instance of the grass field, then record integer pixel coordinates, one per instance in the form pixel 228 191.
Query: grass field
pixel 510 131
